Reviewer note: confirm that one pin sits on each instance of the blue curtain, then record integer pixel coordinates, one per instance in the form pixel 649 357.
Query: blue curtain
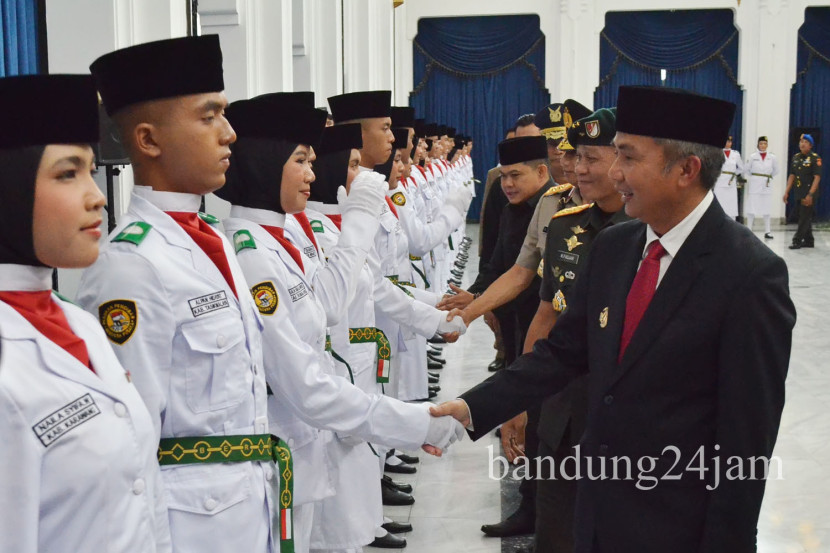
pixel 697 48
pixel 809 100
pixel 479 74
pixel 18 37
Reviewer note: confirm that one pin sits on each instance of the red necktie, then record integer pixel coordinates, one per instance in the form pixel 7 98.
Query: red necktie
pixel 392 207
pixel 279 235
pixel 337 220
pixel 208 240
pixel 763 156
pixel 302 218
pixel 642 290
pixel 48 318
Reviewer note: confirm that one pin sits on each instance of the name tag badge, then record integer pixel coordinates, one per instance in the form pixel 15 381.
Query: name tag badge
pixel 568 257
pixel 310 252
pixel 298 292
pixel 208 303
pixel 67 418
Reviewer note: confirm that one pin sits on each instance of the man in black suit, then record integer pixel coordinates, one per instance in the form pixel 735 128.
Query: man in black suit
pixel 684 322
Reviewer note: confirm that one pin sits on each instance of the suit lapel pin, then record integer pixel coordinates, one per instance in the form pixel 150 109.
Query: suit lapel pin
pixel 603 318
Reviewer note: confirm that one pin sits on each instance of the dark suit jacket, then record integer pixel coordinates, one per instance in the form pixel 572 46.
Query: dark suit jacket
pixel 706 367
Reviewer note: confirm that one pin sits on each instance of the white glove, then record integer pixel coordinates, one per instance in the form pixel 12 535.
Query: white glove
pixel 455 325
pixel 443 432
pixel 459 198
pixel 367 194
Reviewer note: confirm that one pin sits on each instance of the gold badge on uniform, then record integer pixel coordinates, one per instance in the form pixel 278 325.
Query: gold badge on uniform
pixel 603 318
pixel 572 242
pixel 592 128
pixel 577 230
pixel 119 319
pixel 266 298
pixel 555 115
pixel 398 198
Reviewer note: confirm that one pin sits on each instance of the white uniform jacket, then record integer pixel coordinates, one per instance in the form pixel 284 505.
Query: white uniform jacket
pixel 760 172
pixel 79 466
pixel 195 354
pixel 423 237
pixel 293 366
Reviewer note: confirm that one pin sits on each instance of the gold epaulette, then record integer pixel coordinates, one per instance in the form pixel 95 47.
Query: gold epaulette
pixel 571 210
pixel 558 189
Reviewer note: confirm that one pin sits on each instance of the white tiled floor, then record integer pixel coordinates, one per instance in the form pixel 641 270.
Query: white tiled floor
pixel 454 495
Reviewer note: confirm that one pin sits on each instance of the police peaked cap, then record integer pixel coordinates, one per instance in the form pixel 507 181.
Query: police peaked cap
pixel 48 109
pixel 277 117
pixel 338 138
pixel 156 70
pixel 552 122
pixel 403 116
pixel 522 149
pixel 361 105
pixel 598 129
pixel 674 114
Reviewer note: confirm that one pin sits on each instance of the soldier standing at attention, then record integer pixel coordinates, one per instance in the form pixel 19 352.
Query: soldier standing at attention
pixel 805 174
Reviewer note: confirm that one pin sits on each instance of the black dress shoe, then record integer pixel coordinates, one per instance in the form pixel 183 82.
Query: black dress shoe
pixel 517 524
pixel 434 388
pixel 808 244
pixel 436 357
pixel 768 236
pixel 795 246
pixel 394 497
pixel 400 486
pixel 436 340
pixel 397 527
pixel 496 365
pixel 432 380
pixel 409 459
pixel 433 365
pixel 389 541
pixel 455 282
pixel 432 374
pixel 401 468
pixel 432 395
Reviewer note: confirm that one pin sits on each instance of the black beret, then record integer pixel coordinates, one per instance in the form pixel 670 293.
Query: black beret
pixel 430 129
pixel 403 116
pixel 674 114
pixel 361 105
pixel 341 137
pixel 521 149
pixel 598 129
pixel 48 109
pixel 156 70
pixel 401 138
pixel 277 117
pixel 554 120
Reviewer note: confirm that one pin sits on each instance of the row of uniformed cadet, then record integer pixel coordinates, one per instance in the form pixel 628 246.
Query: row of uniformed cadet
pixel 197 338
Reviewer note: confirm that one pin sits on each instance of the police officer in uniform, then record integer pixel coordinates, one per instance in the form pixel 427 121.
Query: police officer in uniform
pixel 79 467
pixel 570 235
pixel 805 174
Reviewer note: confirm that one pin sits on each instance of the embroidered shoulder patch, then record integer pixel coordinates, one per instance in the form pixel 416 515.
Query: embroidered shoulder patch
pixel 266 298
pixel 571 210
pixel 134 233
pixel 242 240
pixel 398 198
pixel 119 318
pixel 208 218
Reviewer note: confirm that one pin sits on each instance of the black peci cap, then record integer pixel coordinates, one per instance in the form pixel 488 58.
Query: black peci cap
pixel 48 109
pixel 522 149
pixel 156 70
pixel 277 117
pixel 338 138
pixel 401 138
pixel 674 114
pixel 360 105
pixel 403 117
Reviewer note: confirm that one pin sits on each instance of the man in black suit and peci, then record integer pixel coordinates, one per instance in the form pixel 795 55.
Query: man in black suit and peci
pixel 684 322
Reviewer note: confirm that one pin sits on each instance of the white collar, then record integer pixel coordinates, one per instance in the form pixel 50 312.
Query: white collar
pixel 169 201
pixel 259 216
pixel 677 235
pixel 24 278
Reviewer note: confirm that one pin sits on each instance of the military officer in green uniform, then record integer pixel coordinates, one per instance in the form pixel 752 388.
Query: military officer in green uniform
pixel 805 174
pixel 570 235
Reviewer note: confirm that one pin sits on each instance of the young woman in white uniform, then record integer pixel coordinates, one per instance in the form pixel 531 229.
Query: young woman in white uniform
pixel 79 467
pixel 760 169
pixel 726 187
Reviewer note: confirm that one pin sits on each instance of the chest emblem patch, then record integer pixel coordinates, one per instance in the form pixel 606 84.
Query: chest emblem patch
pixel 398 198
pixel 266 298
pixel 572 242
pixel 577 230
pixel 119 318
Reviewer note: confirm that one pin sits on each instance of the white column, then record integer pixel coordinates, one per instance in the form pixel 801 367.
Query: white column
pixel 327 52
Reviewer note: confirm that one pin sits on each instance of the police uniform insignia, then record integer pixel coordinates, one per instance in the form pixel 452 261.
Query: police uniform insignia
pixel 398 198
pixel 134 233
pixel 242 240
pixel 603 318
pixel 208 218
pixel 557 272
pixel 592 128
pixel 317 226
pixel 559 189
pixel 555 115
pixel 559 303
pixel 266 298
pixel 577 230
pixel 571 210
pixel 570 275
pixel 119 318
pixel 572 242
